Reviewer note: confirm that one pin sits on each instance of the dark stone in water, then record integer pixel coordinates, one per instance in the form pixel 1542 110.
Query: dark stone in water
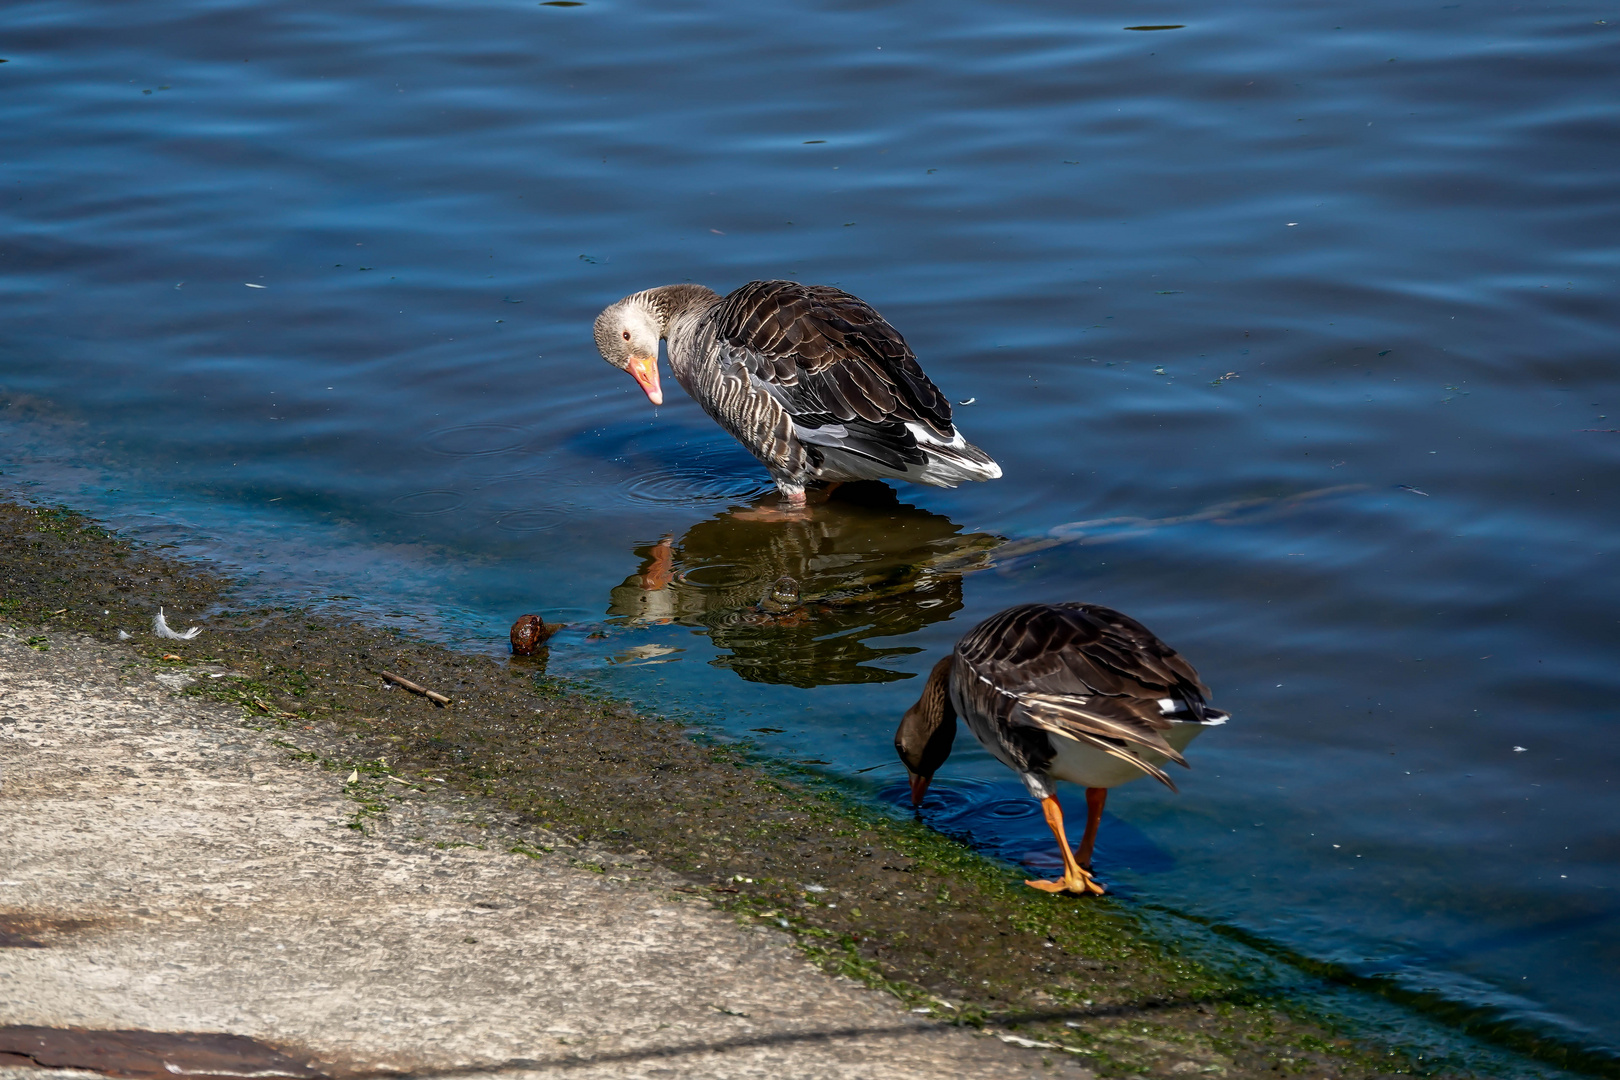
pixel 783 595
pixel 529 633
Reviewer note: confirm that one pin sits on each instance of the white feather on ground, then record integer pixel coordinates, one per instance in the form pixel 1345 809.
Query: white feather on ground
pixel 160 627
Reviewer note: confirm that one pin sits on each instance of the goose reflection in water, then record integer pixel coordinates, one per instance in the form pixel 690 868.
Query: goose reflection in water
pixel 797 601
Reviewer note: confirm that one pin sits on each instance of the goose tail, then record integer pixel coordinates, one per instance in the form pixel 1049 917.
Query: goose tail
pixel 950 462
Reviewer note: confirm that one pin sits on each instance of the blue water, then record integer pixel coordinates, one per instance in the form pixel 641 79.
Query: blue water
pixel 1294 324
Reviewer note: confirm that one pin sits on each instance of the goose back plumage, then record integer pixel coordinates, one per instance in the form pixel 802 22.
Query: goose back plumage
pixel 832 359
pixel 1060 688
pixel 814 383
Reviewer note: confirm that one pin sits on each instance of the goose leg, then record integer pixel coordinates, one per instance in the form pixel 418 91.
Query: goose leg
pixel 1095 797
pixel 1074 879
pixel 791 506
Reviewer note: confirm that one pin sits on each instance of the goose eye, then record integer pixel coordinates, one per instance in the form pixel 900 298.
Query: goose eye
pixel 627 335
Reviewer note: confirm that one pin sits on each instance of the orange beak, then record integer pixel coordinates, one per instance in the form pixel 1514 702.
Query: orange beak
pixel 644 369
pixel 919 787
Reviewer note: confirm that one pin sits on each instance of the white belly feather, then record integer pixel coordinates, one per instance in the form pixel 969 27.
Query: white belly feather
pixel 1083 764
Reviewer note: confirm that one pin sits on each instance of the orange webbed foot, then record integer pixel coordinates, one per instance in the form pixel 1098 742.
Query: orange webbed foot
pixel 1081 884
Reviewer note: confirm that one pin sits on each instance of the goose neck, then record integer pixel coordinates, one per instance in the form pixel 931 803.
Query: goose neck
pixel 671 305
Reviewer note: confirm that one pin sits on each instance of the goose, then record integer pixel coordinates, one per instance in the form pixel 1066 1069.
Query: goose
pixel 1074 692
pixel 811 380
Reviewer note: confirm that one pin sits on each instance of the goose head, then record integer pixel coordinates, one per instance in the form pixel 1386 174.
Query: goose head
pixel 627 335
pixel 923 739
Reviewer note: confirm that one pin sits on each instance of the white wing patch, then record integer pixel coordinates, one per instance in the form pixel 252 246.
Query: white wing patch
pixel 825 435
pixel 926 437
pixel 1170 706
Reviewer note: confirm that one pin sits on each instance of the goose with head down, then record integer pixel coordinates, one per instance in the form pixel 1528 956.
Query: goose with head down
pixel 811 380
pixel 1073 692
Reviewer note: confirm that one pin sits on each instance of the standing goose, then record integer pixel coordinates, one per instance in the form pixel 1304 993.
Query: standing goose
pixel 809 378
pixel 1072 692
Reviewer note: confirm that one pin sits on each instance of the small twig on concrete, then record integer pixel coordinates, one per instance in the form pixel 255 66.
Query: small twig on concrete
pixel 416 688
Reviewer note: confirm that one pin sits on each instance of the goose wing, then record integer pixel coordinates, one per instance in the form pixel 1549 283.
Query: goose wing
pixel 844 376
pixel 1086 673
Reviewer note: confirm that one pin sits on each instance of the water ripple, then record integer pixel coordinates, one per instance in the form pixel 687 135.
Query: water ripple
pixel 537 519
pixel 476 440
pixel 428 503
pixel 693 483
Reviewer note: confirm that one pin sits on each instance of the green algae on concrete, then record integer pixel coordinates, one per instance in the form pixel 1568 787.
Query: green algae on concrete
pixel 876 898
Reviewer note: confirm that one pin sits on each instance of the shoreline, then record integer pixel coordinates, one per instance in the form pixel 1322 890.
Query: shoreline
pixel 182 895
pixel 916 915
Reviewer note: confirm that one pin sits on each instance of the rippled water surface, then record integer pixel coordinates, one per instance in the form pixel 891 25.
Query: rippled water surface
pixel 1292 327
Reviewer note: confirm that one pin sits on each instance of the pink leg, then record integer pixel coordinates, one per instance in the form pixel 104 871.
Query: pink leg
pixel 790 506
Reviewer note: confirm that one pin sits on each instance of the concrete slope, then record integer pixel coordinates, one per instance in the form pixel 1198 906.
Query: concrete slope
pixel 164 867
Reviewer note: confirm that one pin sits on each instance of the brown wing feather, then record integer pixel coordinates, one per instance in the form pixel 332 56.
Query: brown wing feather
pixel 831 356
pixel 1085 672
